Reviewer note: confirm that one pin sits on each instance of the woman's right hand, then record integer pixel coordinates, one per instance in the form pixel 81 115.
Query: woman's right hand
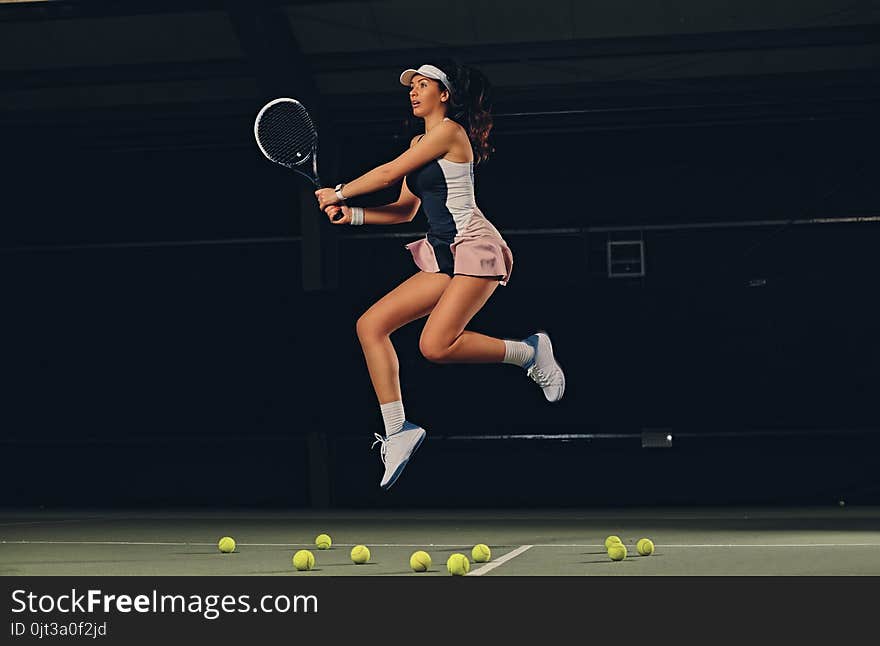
pixel 333 209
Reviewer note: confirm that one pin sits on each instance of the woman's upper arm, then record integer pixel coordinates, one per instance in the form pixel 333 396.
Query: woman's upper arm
pixel 434 144
pixel 407 197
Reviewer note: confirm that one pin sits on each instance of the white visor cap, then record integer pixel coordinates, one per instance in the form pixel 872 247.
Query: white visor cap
pixel 425 70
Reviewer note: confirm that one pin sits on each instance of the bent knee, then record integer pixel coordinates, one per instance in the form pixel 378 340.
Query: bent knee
pixel 368 327
pixel 433 351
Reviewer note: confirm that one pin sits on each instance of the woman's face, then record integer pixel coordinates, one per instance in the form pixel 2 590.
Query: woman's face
pixel 425 95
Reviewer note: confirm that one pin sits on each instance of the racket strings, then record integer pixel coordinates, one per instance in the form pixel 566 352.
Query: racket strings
pixel 286 133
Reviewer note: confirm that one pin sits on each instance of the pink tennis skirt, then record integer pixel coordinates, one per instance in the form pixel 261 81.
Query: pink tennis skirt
pixel 479 250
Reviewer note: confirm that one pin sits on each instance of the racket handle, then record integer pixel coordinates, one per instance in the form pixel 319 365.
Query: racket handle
pixel 317 182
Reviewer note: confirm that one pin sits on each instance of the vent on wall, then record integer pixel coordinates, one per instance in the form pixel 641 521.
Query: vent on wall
pixel 626 258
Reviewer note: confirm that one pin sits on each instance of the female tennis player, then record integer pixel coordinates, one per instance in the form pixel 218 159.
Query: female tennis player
pixel 462 259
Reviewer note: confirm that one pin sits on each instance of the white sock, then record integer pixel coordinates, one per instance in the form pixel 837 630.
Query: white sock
pixel 392 413
pixel 519 353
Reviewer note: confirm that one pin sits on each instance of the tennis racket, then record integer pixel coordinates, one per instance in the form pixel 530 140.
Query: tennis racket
pixel 286 135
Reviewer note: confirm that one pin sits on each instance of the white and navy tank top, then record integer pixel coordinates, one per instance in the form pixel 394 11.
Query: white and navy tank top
pixel 446 189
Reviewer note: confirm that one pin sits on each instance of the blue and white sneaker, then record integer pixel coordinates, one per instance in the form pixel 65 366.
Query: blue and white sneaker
pixel 397 449
pixel 544 369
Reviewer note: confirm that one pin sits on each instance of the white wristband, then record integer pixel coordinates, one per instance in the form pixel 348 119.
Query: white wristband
pixel 338 191
pixel 357 215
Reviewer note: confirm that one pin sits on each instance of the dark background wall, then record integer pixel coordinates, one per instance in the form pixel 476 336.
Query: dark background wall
pixel 157 338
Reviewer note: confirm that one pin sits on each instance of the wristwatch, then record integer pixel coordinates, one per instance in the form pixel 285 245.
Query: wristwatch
pixel 339 194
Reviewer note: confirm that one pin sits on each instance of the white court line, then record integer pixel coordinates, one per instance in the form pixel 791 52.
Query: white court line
pixel 689 545
pixel 499 561
pixel 200 544
pixel 438 545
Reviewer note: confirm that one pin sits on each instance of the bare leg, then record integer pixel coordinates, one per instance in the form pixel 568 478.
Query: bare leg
pixel 409 301
pixel 444 339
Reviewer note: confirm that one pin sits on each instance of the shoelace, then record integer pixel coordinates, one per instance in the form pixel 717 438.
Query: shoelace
pixel 539 377
pixel 383 449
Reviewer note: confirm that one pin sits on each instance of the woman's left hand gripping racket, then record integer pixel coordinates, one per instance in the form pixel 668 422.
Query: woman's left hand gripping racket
pixel 286 135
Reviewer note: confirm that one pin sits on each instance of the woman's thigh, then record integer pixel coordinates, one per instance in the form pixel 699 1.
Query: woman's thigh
pixel 459 303
pixel 411 300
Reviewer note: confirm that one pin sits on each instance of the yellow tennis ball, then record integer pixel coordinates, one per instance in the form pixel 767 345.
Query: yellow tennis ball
pixel 645 547
pixel 481 553
pixel 360 554
pixel 303 560
pixel 226 544
pixel 323 542
pixel 458 565
pixel 617 551
pixel 611 540
pixel 420 561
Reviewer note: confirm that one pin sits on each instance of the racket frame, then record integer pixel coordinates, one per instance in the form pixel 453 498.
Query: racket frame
pixel 313 177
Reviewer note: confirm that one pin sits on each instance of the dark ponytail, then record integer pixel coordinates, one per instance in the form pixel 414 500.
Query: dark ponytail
pixel 470 105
